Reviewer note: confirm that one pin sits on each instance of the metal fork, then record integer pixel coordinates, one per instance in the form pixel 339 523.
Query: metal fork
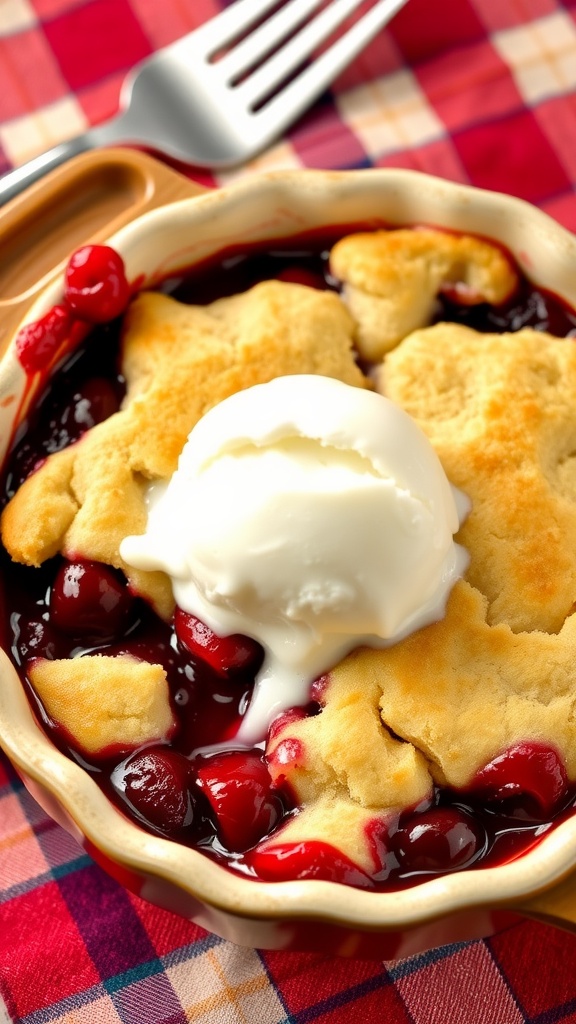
pixel 206 101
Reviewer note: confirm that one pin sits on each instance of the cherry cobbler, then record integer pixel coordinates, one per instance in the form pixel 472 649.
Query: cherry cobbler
pixel 452 747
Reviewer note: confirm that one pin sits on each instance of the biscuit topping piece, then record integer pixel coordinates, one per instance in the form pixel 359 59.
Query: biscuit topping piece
pixel 105 703
pixel 391 279
pixel 499 410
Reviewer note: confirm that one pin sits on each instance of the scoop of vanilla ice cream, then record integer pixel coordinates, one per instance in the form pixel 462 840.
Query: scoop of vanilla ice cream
pixel 312 516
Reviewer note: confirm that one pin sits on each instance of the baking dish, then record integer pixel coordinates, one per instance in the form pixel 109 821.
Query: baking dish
pixel 161 223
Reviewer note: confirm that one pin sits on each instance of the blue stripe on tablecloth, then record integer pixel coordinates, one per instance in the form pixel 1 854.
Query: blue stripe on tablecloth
pixel 115 956
pixel 121 982
pixel 340 999
pixel 64 1006
pixel 413 964
pixel 54 874
pixel 159 964
pixel 555 1014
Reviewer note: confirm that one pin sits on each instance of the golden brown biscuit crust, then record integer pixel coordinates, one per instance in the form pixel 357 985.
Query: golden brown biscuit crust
pixel 499 410
pixel 391 279
pixel 105 703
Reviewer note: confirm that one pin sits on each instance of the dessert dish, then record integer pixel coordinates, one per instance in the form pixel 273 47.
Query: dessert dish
pixel 387 798
pixel 257 494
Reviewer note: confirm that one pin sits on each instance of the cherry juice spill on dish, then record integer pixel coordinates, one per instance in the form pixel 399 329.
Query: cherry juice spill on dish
pixel 225 803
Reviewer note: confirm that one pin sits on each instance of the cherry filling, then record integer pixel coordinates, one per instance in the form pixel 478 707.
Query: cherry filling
pixel 90 601
pixel 96 291
pixel 432 839
pixel 242 798
pixel 227 655
pixel 157 785
pixel 307 860
pixel 95 285
pixel 38 343
pixel 225 803
pixel 529 779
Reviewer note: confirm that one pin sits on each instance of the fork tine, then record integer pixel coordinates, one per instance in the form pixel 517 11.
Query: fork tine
pixel 224 27
pixel 291 101
pixel 266 37
pixel 271 74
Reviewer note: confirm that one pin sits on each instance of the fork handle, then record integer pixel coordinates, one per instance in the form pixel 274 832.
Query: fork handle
pixel 14 182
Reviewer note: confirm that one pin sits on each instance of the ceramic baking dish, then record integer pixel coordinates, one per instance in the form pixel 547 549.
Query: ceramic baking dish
pixel 161 222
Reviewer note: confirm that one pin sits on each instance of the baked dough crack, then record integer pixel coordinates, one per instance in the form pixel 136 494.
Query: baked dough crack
pixel 391 279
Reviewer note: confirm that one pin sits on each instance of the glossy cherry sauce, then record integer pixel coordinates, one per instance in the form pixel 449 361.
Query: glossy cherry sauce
pixel 224 804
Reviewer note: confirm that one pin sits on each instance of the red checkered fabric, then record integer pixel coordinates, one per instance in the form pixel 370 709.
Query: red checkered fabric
pixel 76 948
pixel 478 91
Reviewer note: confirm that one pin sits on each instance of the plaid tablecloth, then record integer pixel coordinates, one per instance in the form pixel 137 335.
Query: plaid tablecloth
pixel 480 91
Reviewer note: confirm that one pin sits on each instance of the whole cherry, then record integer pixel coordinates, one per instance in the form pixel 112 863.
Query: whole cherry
pixel 226 655
pixel 90 601
pixel 156 783
pixel 95 284
pixel 439 839
pixel 529 770
pixel 240 792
